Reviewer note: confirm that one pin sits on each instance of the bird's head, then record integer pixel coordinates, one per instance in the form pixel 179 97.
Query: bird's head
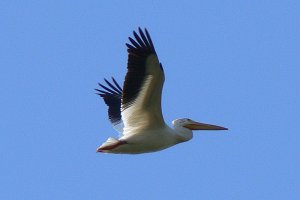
pixel 193 125
pixel 185 126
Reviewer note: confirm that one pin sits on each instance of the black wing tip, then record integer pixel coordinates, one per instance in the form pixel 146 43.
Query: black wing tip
pixel 112 88
pixel 129 46
pixel 141 30
pixel 101 93
pixel 142 41
pixel 111 93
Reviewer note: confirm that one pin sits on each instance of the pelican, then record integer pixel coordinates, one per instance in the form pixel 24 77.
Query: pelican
pixel 135 111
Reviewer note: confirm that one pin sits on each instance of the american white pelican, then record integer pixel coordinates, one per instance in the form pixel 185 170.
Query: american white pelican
pixel 135 112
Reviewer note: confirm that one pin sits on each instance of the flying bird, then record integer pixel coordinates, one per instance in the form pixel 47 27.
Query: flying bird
pixel 135 110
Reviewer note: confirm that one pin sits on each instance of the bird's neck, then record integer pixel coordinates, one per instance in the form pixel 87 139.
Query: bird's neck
pixel 183 134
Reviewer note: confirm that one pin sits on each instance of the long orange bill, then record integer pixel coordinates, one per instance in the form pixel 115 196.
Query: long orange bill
pixel 202 126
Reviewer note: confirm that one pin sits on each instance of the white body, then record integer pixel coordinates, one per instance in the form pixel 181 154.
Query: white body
pixel 138 117
pixel 150 140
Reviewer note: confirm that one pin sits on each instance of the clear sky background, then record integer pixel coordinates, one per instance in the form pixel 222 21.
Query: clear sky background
pixel 231 63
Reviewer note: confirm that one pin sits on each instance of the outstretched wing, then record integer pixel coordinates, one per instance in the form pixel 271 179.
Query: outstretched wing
pixel 141 98
pixel 112 94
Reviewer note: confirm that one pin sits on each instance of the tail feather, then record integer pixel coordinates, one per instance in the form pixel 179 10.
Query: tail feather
pixel 110 144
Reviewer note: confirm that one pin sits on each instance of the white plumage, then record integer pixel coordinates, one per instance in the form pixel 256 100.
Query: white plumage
pixel 135 111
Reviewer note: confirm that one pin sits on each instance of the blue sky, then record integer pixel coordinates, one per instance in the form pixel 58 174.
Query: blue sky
pixel 231 63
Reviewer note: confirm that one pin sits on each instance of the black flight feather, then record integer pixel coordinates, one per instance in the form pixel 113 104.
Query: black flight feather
pixel 138 52
pixel 112 98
